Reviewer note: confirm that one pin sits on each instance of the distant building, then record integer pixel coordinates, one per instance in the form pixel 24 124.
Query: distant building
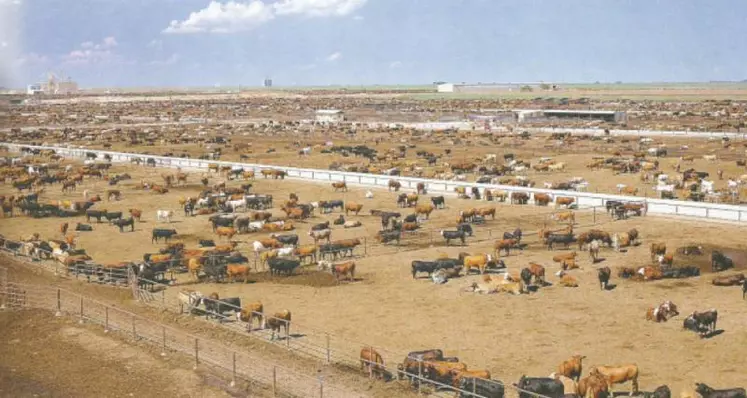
pixel 53 86
pixel 329 116
pixel 267 82
pixel 33 89
pixel 540 114
pixel 492 87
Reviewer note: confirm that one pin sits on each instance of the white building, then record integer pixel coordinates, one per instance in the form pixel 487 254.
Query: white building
pixel 445 88
pixel 329 116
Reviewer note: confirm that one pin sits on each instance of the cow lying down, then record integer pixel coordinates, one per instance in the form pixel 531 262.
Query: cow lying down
pixel 491 285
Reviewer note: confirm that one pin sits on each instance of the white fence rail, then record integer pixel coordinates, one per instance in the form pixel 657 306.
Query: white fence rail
pixel 705 211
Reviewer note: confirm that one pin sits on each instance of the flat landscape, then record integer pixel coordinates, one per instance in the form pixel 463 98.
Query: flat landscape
pixel 384 307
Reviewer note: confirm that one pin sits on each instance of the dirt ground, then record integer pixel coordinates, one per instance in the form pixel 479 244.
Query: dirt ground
pixel 508 335
pixel 63 358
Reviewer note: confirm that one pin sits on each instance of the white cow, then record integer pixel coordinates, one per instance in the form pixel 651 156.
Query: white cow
pixel 258 247
pixel 164 215
pixel 236 204
pixel 285 251
pixel 369 195
pixel 620 187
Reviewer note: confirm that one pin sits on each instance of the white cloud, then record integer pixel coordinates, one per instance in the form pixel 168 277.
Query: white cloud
pixel 334 56
pixel 155 43
pixel 236 16
pixel 91 53
pixel 318 8
pixel 174 58
pixel 395 64
pixel 31 59
pixel 224 18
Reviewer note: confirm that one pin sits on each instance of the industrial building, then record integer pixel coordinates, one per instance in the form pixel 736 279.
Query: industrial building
pixel 329 116
pixel 533 115
pixel 491 87
pixel 53 86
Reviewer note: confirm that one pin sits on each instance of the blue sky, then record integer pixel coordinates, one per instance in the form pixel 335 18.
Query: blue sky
pixel 319 42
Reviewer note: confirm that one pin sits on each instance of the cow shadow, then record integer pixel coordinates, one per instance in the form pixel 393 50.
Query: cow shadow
pixel 532 288
pixel 599 260
pixel 610 287
pixel 712 334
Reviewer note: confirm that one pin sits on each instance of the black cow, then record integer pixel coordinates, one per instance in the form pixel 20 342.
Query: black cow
pixel 121 223
pixel 690 323
pixel 611 205
pixel 660 392
pixel 526 276
pixel 331 250
pixel 466 228
pixel 708 392
pixel 707 319
pixel 513 235
pixel 83 227
pixel 219 221
pixel 207 243
pixel 217 308
pixel 320 226
pixel 447 263
pixel 411 218
pixel 339 220
pixel 282 265
pixel 604 277
pixel 388 236
pixel 97 214
pixel 439 202
pixel 450 235
pixel 681 272
pixel 291 239
pixel 159 233
pixel 116 215
pixel 720 262
pixel 565 239
pixel 428 267
pixel 546 386
pixel 481 388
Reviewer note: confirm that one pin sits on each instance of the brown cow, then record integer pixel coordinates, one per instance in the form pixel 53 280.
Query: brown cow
pixel 354 207
pixel 593 386
pixel 234 270
pixel 538 272
pixel 564 201
pixel 372 363
pixel 565 216
pixel 425 209
pixel 393 184
pixel 572 367
pixel 340 186
pixel 728 280
pixel 441 371
pixel 346 269
pixel 420 188
pixel 486 211
pixel 250 312
pixel 618 375
pixel 658 248
pixel 63 228
pixel 560 258
pixel 504 244
pixel 228 232
pixel 136 214
pixel 308 251
pixel 457 375
pixel 541 199
pixel 194 266
pixel 280 319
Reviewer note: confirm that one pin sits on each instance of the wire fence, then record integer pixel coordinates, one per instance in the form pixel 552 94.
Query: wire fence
pixel 236 366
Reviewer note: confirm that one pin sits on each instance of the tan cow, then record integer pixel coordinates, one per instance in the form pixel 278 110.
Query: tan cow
pixel 618 375
pixel 250 312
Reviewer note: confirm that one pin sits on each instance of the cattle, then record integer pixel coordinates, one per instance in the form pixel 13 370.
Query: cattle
pixel 481 387
pixel 720 262
pixel 707 392
pixel 227 232
pixel 320 234
pixel 565 239
pixel 190 298
pixel 548 387
pixel 320 226
pixel 237 270
pixel 517 234
pixel 164 215
pixel 519 198
pixel 662 312
pixel 250 312
pixel 466 228
pixel 428 267
pixel 97 214
pixel 135 213
pixel 486 211
pixel 442 371
pixel 572 367
pixel 593 250
pixel 479 262
pixel 621 240
pixel 158 233
pixel 457 375
pixel 570 386
pixel 604 277
pixel 660 392
pixel 744 289
pixel 354 207
pixel 394 185
pixel 291 239
pixel 541 199
pixel 564 201
pixel 439 202
pixel 593 386
pixel 388 236
pixel 730 280
pixel 215 306
pixel 123 223
pixel 690 323
pixel 451 235
pixel 275 322
pixel 414 361
pixel 505 244
pixel 282 265
pixel 346 269
pixel 707 319
pixel 565 216
pixel 340 186
pixel 618 375
pixel 658 248
pixel 425 209
pixel 373 364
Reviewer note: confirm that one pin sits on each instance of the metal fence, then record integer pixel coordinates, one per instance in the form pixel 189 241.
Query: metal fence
pixel 232 364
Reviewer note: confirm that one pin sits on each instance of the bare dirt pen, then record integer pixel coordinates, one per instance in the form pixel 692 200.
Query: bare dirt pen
pixel 468 147
pixel 48 356
pixel 508 335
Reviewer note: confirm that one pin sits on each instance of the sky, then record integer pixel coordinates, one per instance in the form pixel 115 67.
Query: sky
pixel 114 43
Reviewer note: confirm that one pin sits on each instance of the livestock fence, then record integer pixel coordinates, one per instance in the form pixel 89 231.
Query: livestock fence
pixel 670 207
pixel 262 377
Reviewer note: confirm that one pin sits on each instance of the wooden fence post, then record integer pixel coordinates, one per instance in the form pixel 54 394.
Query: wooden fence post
pixel 197 353
pixel 420 375
pixel 233 369
pixel 81 309
pixel 321 388
pixel 594 214
pixel 274 381
pixel 134 332
pixel 59 303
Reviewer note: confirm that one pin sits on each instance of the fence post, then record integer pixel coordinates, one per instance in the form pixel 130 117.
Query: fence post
pixel 594 214
pixel 274 380
pixel 287 334
pixel 197 353
pixel 328 351
pixel 420 375
pixel 134 332
pixel 233 369
pixel 81 310
pixel 163 335
pixel 163 297
pixel 106 319
pixel 59 303
pixel 321 388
